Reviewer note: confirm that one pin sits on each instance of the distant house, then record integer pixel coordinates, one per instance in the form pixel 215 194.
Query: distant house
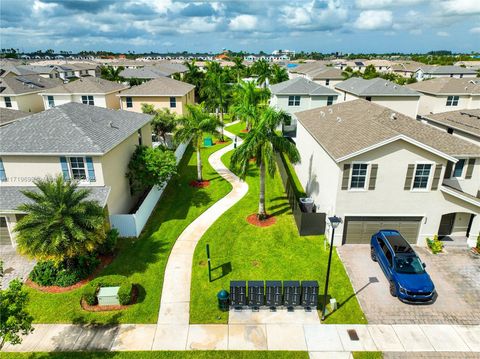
pixel 21 92
pixel 88 144
pixel 21 70
pixel 162 92
pixel 405 68
pixel 428 72
pixel 8 115
pixel 380 65
pixel 447 94
pixel 326 76
pixel 459 123
pixel 163 69
pixel 382 92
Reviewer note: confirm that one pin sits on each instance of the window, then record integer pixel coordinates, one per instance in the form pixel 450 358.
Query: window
pixel 422 174
pixel 77 166
pixel 139 132
pixel 452 100
pixel 368 98
pixel 88 100
pixel 359 175
pixel 8 101
pixel 129 102
pixel 173 102
pixel 458 170
pixel 327 82
pixel 51 101
pixel 293 100
pixel 388 254
pixel 329 100
pixel 3 175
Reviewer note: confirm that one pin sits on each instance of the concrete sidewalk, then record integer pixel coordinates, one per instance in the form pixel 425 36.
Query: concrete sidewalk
pixel 314 338
pixel 175 301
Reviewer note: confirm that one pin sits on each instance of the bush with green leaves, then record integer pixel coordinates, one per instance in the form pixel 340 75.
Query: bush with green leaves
pixel 478 242
pixel 108 247
pixel 435 245
pixel 90 291
pixel 65 273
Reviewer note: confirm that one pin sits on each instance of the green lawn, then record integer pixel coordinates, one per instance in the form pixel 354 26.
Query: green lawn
pixel 240 251
pixel 162 355
pixel 143 260
pixel 367 355
pixel 236 129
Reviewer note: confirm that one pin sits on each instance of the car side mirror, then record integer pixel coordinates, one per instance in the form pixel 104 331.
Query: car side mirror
pixel 424 265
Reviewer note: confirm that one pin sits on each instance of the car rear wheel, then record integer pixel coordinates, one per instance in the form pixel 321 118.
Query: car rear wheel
pixel 372 254
pixel 393 289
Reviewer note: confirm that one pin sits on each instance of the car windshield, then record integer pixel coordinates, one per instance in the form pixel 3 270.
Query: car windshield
pixel 409 265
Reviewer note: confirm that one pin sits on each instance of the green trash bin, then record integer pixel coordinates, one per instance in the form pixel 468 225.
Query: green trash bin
pixel 222 297
pixel 207 142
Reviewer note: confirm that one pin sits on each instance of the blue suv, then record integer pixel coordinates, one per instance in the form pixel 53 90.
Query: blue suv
pixel 402 267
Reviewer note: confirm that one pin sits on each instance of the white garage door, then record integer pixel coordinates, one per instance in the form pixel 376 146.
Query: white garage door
pixel 4 233
pixel 359 230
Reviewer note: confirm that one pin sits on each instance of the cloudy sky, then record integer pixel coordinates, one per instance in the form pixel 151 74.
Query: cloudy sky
pixel 253 25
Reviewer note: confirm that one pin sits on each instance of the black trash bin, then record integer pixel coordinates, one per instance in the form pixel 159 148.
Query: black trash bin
pixel 256 294
pixel 273 294
pixel 238 294
pixel 291 293
pixel 222 297
pixel 310 294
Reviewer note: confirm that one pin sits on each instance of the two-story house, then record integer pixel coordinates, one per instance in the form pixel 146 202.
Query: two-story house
pixel 326 76
pixel 162 93
pixel 87 90
pixel 446 94
pixel 429 72
pixel 22 92
pixel 88 144
pixel 382 92
pixel 377 169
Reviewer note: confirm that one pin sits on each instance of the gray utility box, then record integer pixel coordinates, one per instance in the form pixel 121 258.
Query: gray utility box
pixel 108 296
pixel 307 205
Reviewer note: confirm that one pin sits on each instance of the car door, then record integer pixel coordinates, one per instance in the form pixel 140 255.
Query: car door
pixel 388 263
pixel 382 259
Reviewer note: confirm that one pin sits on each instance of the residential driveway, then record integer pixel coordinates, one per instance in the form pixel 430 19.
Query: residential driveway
pixel 14 265
pixel 456 276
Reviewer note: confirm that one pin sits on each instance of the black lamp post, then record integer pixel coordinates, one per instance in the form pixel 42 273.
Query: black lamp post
pixel 334 222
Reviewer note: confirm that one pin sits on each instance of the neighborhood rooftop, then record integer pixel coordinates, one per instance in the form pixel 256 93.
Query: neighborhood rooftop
pixel 448 86
pixel 463 120
pixel 352 127
pixel 162 86
pixel 87 85
pixel 7 115
pixel 71 128
pixel 25 84
pixel 447 70
pixel 374 87
pixel 301 86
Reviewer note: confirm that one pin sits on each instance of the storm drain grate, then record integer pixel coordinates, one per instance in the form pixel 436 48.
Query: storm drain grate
pixel 352 333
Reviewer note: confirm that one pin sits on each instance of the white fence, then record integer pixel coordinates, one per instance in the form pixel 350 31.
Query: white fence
pixel 131 225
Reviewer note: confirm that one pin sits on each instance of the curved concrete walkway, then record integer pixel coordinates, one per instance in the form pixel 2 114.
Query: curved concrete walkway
pixel 175 302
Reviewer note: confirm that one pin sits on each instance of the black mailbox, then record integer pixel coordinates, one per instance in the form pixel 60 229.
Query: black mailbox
pixel 256 293
pixel 238 293
pixel 310 293
pixel 291 293
pixel 273 293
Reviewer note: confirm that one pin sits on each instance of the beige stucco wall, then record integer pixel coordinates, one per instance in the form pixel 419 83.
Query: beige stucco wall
pixel 306 103
pixel 106 101
pixel 159 102
pixel 27 103
pixel 435 104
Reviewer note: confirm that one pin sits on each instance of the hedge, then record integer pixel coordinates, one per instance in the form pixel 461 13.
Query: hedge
pixel 89 293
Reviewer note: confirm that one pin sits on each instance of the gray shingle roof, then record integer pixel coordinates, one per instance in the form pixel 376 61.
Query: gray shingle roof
pixel 349 127
pixel 162 86
pixel 374 87
pixel 330 73
pixel 463 120
pixel 72 128
pixel 143 73
pixel 446 70
pixel 25 84
pixel 301 86
pixel 8 115
pixel 12 196
pixel 87 85
pixel 447 86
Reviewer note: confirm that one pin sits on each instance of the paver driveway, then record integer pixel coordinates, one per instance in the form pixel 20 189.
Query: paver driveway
pixel 456 276
pixel 14 265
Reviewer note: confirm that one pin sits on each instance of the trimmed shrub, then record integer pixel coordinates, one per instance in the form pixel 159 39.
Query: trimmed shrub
pixel 108 247
pixel 89 293
pixel 435 245
pixel 125 293
pixel 478 242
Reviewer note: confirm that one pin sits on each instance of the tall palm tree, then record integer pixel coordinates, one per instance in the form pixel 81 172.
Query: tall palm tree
pixel 278 74
pixel 263 71
pixel 238 67
pixel 261 143
pixel 192 126
pixel 111 74
pixel 193 76
pixel 60 222
pixel 247 99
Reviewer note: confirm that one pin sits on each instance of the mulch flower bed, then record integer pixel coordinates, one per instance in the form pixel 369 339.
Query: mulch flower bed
pixel 104 261
pixel 244 131
pixel 108 308
pixel 220 142
pixel 200 184
pixel 254 220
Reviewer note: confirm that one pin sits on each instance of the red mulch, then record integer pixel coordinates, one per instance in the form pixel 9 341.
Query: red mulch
pixel 244 131
pixel 108 308
pixel 104 261
pixel 220 142
pixel 252 160
pixel 253 220
pixel 200 184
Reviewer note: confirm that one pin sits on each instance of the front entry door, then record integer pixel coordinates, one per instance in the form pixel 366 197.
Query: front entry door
pixel 446 225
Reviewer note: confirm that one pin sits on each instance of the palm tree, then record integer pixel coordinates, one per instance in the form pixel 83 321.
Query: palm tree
pixel 193 76
pixel 192 126
pixel 111 74
pixel 261 143
pixel 278 74
pixel 238 67
pixel 247 99
pixel 263 71
pixel 60 223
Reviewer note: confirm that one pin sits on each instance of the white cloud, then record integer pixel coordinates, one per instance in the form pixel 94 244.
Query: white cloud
pixel 443 34
pixel 461 7
pixel 382 4
pixel 330 15
pixel 243 23
pixel 374 20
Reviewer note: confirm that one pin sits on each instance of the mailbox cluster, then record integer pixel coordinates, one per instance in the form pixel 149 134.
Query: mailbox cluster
pixel 273 294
